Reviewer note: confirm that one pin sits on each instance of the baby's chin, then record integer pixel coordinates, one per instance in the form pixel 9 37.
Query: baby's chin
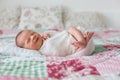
pixel 38 48
pixel 40 44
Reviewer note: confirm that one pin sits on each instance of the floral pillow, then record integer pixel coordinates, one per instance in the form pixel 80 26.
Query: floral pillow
pixel 43 17
pixel 9 18
pixel 91 21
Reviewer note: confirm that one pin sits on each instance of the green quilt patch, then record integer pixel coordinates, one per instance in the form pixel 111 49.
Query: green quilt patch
pixel 99 48
pixel 29 69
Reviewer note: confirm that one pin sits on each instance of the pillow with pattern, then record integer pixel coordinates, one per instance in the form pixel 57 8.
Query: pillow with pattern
pixel 43 17
pixel 9 18
pixel 90 21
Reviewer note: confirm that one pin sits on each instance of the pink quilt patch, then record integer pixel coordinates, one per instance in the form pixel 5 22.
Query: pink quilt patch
pixel 112 47
pixel 106 34
pixel 67 68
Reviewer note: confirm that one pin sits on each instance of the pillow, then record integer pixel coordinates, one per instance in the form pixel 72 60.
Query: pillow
pixel 12 50
pixel 44 17
pixel 9 18
pixel 90 21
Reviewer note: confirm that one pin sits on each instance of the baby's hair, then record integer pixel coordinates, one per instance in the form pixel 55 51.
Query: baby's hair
pixel 17 38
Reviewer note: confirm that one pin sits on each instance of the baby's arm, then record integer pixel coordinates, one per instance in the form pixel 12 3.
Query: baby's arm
pixel 77 34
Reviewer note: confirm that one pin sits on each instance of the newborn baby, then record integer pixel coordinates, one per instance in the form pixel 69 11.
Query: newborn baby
pixel 64 43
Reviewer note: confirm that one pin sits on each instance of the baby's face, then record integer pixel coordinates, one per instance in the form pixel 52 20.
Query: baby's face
pixel 30 40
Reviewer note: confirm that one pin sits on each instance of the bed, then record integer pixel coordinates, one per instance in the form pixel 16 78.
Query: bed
pixel 22 64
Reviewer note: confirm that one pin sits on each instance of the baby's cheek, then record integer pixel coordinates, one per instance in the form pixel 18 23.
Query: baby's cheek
pixel 31 45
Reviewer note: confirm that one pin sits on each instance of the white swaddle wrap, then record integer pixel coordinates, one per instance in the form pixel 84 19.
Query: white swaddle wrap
pixel 60 45
pixel 86 51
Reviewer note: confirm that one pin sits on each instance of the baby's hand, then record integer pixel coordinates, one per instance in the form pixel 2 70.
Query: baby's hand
pixel 78 44
pixel 46 36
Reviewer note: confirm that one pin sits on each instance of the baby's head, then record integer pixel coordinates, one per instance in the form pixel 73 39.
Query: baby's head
pixel 29 40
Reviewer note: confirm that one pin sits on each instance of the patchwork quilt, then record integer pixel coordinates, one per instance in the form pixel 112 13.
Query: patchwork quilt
pixel 103 64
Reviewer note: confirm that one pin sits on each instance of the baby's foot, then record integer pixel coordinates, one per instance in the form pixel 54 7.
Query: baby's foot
pixel 88 36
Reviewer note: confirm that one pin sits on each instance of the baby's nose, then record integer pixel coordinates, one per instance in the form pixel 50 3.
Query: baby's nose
pixel 33 37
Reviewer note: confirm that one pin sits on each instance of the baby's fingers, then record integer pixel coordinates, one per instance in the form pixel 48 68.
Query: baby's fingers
pixel 46 36
pixel 76 44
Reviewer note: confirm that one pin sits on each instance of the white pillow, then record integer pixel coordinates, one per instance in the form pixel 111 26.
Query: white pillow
pixel 43 17
pixel 12 50
pixel 90 21
pixel 9 18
